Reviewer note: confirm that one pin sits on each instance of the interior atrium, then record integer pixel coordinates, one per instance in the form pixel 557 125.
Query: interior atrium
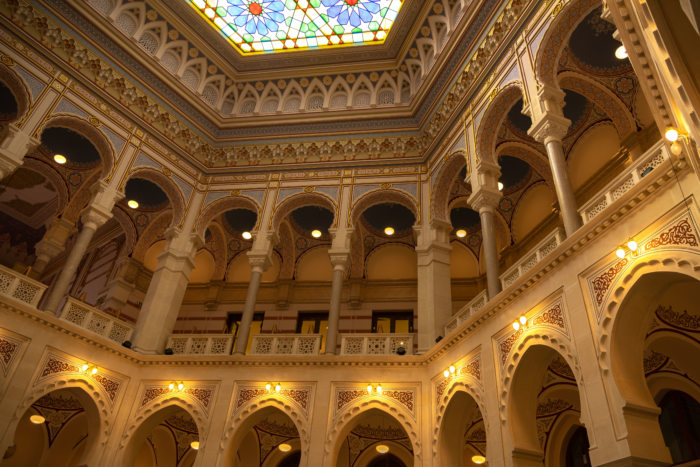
pixel 349 233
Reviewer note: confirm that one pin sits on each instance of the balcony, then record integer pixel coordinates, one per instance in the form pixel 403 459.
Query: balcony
pixel 286 344
pixel 20 287
pixel 200 344
pixel 96 321
pixel 375 344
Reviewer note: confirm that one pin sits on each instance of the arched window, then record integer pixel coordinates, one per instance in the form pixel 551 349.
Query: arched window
pixel 577 449
pixel 680 426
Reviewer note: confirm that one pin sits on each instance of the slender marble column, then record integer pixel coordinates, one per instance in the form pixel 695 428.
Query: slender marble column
pixel 93 217
pixel 488 233
pixel 258 264
pixel 339 262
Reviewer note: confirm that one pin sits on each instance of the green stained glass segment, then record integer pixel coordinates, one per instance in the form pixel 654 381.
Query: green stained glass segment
pixel 255 26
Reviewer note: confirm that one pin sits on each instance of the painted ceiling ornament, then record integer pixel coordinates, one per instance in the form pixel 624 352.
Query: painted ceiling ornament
pixel 356 12
pixel 261 16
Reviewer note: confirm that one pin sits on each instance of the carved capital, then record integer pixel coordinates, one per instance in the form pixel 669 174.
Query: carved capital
pixel 485 199
pixel 339 259
pixel 94 216
pixel 549 128
pixel 341 238
pixel 259 260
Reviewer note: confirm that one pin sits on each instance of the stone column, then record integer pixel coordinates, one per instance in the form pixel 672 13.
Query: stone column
pixel 434 282
pixel 122 286
pixel 13 148
pixel 259 262
pixel 161 305
pixel 549 130
pixel 339 261
pixel 52 244
pixel 95 214
pixel 485 200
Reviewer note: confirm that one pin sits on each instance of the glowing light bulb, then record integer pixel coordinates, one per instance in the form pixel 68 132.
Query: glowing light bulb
pixel 132 203
pixel 37 419
pixel 194 445
pixel 620 253
pixel 94 370
pixel 171 386
pixel 676 148
pixel 516 325
pixel 379 389
pixel 446 373
pixel 369 388
pixel 621 52
pixel 452 369
pixel 84 368
pixel 461 233
pixel 523 320
pixel 278 388
pixel 500 186
pixel 382 448
pixel 478 459
pixel 672 134
pixel 632 245
pixel 180 387
pixel 60 159
pixel 284 447
pixel 315 233
pixel 389 230
pixel 268 386
pixel 247 235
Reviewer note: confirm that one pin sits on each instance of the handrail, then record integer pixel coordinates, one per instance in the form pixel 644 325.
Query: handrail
pixel 20 287
pixel 200 344
pixel 96 321
pixel 375 343
pixel 286 344
pixel 472 306
pixel 532 257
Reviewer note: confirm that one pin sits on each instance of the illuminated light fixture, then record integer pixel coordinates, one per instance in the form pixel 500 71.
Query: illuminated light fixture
pixel 316 233
pixel 620 252
pixel 500 186
pixel 194 445
pixel 632 245
pixel 523 320
pixel 621 52
pixel 247 235
pixel 461 233
pixel 60 159
pixel 369 388
pixel 452 369
pixel 278 387
pixel 268 386
pixel 171 386
pixel 84 367
pixel 446 373
pixel 516 325
pixel 382 448
pixel 132 203
pixel 379 389
pixel 94 370
pixel 389 230
pixel 37 419
pixel 478 459
pixel 180 386
pixel 672 134
pixel 284 447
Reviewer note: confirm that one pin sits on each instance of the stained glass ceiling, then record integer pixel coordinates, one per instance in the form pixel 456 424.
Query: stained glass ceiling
pixel 258 26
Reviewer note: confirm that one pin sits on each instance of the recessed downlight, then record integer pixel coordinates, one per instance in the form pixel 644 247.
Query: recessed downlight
pixel 194 445
pixel 478 459
pixel 389 230
pixel 284 447
pixel 37 419
pixel 382 448
pixel 461 233
pixel 316 233
pixel 133 204
pixel 247 235
pixel 621 52
pixel 60 159
pixel 500 186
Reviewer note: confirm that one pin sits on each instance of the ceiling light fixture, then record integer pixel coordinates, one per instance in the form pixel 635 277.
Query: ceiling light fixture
pixel 247 235
pixel 60 159
pixel 461 233
pixel 500 186
pixel 382 448
pixel 37 419
pixel 621 52
pixel 284 447
pixel 194 445
pixel 316 233
pixel 478 459
pixel 389 230
pixel 132 203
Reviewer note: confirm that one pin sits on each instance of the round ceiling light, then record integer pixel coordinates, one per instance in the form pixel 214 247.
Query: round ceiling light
pixel 284 447
pixel 194 445
pixel 500 186
pixel 621 52
pixel 316 233
pixel 389 230
pixel 133 204
pixel 37 419
pixel 478 459
pixel 247 235
pixel 461 233
pixel 382 448
pixel 60 158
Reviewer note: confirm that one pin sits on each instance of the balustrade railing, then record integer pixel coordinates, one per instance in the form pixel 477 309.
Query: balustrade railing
pixel 97 321
pixel 286 344
pixel 375 344
pixel 472 306
pixel 624 182
pixel 532 257
pixel 20 287
pixel 200 344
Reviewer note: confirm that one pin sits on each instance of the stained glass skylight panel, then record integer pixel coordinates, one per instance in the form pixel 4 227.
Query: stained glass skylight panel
pixel 274 25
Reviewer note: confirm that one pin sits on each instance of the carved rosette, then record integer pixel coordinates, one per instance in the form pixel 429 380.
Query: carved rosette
pixel 300 395
pixel 344 396
pixel 65 366
pixel 552 316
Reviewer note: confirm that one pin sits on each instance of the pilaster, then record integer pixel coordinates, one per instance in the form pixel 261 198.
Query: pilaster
pixel 17 143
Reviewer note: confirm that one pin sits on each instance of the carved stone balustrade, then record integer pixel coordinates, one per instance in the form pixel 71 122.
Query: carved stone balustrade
pixel 20 287
pixel 200 344
pixel 532 257
pixel 473 306
pixel 375 344
pixel 96 321
pixel 286 344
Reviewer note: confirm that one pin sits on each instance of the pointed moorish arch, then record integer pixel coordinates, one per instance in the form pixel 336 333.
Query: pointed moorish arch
pixel 439 209
pixel 494 115
pixel 382 196
pixel 300 200
pixel 165 183
pixel 220 206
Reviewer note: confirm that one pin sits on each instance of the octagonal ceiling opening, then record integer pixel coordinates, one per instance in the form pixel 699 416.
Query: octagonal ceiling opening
pixel 259 26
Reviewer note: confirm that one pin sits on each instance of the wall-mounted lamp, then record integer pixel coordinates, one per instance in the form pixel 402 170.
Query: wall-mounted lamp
pixel 672 135
pixel 522 321
pixel 630 247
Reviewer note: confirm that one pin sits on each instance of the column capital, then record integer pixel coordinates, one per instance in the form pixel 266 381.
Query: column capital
pixel 485 199
pixel 259 260
pixel 16 144
pixel 341 238
pixel 550 127
pixel 339 259
pixel 94 216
